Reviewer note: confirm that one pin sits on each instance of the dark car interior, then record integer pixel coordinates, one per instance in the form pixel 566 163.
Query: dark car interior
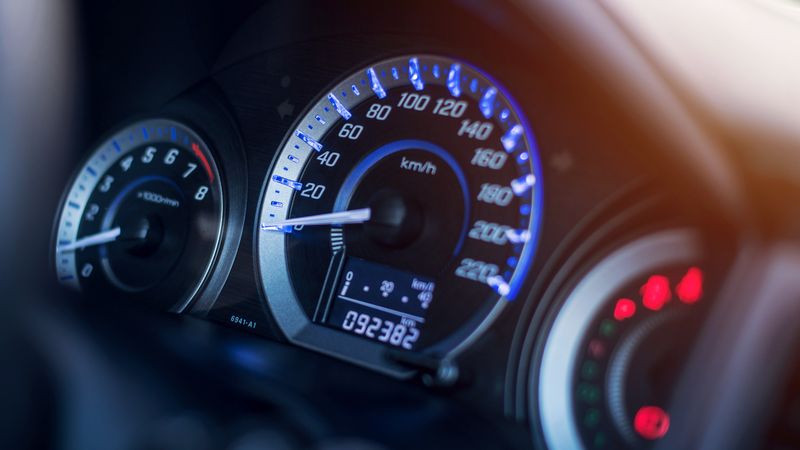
pixel 505 224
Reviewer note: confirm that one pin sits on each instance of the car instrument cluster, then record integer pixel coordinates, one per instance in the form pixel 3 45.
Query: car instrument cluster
pixel 406 208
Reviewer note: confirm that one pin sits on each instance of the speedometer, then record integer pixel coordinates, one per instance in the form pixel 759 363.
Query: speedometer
pixel 401 212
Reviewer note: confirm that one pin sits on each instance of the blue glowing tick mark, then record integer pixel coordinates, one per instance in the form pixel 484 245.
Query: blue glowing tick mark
pixel 511 138
pixel 504 114
pixel 522 184
pixel 308 140
pixel 320 119
pixel 91 171
pixel 498 284
pixel 436 71
pixel 287 182
pixel 487 102
pixel 473 86
pixel 414 74
pixel 276 204
pixel 454 80
pixel 375 83
pixel 395 75
pixel 293 158
pixel 144 133
pixel 518 236
pixel 355 90
pixel 116 146
pixel 339 107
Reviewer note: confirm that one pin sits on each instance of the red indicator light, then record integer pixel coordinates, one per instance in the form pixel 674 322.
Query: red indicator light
pixel 690 288
pixel 651 422
pixel 624 309
pixel 656 292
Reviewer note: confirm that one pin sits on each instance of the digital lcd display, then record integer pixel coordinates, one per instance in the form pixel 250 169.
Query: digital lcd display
pixel 381 303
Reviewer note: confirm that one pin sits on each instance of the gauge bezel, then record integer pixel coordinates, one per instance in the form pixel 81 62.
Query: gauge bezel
pixel 121 136
pixel 280 298
pixel 550 397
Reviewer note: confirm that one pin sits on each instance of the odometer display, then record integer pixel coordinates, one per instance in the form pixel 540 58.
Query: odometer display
pixel 430 171
pixel 381 303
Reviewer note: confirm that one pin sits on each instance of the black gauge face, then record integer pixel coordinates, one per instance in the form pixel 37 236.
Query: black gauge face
pixel 616 346
pixel 143 217
pixel 402 211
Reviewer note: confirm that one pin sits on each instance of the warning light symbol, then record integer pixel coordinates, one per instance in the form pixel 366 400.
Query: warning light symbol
pixel 690 288
pixel 651 422
pixel 656 292
pixel 624 309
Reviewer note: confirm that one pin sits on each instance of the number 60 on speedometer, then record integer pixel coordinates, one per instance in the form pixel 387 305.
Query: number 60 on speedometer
pixel 402 211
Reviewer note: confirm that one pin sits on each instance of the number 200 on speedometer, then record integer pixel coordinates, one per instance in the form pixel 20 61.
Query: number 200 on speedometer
pixel 402 211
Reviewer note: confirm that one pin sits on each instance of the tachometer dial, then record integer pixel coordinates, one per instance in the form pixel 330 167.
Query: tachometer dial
pixel 402 211
pixel 142 217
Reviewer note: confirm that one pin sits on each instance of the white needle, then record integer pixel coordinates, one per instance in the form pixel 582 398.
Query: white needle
pixel 337 218
pixel 95 239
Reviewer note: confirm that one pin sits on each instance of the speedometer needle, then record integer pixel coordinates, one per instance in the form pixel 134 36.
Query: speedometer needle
pixel 336 218
pixel 94 239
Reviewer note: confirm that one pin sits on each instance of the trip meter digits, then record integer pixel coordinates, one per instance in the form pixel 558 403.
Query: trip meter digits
pixel 402 211
pixel 143 216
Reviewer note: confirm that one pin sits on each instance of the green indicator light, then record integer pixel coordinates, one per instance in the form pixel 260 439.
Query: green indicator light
pixel 608 328
pixel 588 393
pixel 592 418
pixel 589 370
pixel 600 440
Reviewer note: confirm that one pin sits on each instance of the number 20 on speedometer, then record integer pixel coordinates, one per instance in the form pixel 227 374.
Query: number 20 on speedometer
pixel 401 212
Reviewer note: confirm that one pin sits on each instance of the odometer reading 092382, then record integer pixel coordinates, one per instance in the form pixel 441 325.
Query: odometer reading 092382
pixel 402 211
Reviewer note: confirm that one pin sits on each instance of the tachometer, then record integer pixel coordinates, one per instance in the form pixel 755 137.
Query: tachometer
pixel 143 216
pixel 402 211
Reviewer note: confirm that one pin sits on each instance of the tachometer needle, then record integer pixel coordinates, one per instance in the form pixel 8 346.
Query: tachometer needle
pixel 95 239
pixel 336 218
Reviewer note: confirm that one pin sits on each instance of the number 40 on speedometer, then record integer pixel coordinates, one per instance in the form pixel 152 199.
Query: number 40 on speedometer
pixel 419 173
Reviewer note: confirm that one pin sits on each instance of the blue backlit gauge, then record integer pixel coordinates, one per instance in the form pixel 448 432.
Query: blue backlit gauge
pixel 142 217
pixel 401 212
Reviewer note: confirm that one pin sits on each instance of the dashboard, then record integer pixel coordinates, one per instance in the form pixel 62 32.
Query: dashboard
pixel 390 226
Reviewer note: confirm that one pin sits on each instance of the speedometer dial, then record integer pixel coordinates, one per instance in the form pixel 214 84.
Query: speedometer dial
pixel 143 216
pixel 401 212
